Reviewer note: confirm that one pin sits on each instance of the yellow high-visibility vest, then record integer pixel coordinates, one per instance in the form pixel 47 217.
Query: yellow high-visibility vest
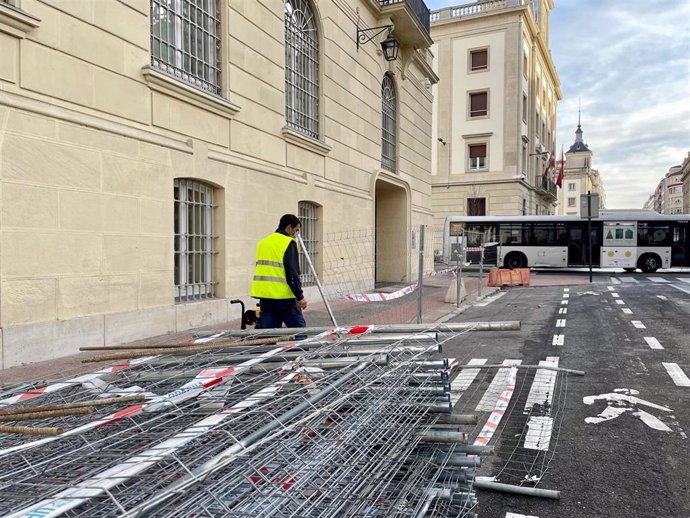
pixel 270 281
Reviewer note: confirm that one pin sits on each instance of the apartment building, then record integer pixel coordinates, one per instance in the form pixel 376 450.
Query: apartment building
pixel 685 179
pixel 494 109
pixel 147 145
pixel 579 177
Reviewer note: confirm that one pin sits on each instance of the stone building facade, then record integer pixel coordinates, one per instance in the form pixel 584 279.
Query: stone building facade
pixel 495 109
pixel 146 146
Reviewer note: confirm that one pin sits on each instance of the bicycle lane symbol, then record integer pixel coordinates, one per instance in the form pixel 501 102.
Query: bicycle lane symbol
pixel 623 400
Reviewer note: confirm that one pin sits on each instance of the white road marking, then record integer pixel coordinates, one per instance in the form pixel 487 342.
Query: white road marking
pixel 560 322
pixel 661 297
pixel 683 279
pixel 638 324
pixel 611 288
pixel 538 436
pixel 652 342
pixel 566 295
pixel 515 515
pixel 627 311
pixel 619 301
pixel 677 374
pixel 558 340
pixel 564 302
pixel 562 311
pixel 566 289
pixel 497 386
pixel 492 298
pixel 657 279
pixel 615 295
pixel 541 391
pixel 680 289
pixel 464 379
pixel 629 280
pixel 614 280
pixel 623 400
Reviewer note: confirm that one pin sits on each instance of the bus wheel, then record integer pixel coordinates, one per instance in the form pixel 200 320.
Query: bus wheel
pixel 649 263
pixel 515 260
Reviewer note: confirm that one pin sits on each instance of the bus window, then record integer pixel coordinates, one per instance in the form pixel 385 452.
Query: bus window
pixel 548 234
pixel 654 234
pixel 512 234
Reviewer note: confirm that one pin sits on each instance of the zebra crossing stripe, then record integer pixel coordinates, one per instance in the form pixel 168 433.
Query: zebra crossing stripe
pixel 657 279
pixel 611 288
pixel 538 436
pixel 496 388
pixel 638 324
pixel 500 407
pixel 652 342
pixel 543 386
pixel 615 295
pixel 677 374
pixel 464 379
pixel 614 280
pixel 619 301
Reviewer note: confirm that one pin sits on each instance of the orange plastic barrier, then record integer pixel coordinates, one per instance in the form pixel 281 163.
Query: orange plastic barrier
pixel 505 277
pixel 493 276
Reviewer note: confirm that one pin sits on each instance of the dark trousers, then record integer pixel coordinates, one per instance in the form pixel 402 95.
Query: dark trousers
pixel 276 312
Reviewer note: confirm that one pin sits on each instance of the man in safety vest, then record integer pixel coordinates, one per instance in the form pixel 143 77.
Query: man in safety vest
pixel 276 281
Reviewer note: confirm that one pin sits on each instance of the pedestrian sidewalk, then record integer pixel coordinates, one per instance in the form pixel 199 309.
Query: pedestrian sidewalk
pixel 347 313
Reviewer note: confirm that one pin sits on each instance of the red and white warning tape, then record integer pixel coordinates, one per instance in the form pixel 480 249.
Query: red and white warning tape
pixel 501 406
pixel 379 297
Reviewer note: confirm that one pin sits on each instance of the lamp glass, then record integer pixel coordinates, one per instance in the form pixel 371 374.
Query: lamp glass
pixel 390 47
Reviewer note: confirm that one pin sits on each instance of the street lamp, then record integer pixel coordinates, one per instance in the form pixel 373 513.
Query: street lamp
pixel 390 46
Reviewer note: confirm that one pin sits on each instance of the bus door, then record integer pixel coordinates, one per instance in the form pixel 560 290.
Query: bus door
pixel 680 249
pixel 578 245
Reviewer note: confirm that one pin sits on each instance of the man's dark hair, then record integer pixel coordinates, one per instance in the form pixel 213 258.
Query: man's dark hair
pixel 288 219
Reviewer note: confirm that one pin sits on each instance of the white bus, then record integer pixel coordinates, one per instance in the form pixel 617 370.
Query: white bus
pixel 627 239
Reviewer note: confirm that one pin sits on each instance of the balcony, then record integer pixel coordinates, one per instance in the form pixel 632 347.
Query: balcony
pixel 475 8
pixel 547 187
pixel 412 22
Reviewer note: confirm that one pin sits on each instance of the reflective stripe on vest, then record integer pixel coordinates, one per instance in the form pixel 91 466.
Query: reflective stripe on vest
pixel 269 280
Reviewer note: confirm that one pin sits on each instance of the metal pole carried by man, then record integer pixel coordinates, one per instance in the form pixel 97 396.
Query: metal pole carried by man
pixel 276 281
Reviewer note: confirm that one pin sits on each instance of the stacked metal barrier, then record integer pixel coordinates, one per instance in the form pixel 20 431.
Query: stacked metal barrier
pixel 339 424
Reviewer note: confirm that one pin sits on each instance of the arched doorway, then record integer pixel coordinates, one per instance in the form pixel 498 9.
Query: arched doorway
pixel 391 212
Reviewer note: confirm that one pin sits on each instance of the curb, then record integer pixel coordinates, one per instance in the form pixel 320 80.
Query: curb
pixel 456 312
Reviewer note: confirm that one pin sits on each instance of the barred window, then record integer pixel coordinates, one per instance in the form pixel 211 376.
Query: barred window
pixel 193 240
pixel 308 216
pixel 388 123
pixel 301 68
pixel 185 41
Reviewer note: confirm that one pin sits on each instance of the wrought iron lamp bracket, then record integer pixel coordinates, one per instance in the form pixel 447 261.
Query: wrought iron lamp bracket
pixel 362 37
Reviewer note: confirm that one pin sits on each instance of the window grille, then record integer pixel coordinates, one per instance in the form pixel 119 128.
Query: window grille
pixel 185 41
pixel 307 213
pixel 388 124
pixel 193 241
pixel 301 68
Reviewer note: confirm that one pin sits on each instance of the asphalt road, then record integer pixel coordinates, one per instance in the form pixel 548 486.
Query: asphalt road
pixel 633 458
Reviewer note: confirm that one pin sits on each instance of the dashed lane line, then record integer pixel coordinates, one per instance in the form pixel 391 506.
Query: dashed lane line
pixel 560 322
pixel 638 324
pixel 558 340
pixel 627 311
pixel 652 342
pixel 619 301
pixel 677 374
pixel 562 311
pixel 615 295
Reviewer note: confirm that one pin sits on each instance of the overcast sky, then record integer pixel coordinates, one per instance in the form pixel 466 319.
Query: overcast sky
pixel 628 61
